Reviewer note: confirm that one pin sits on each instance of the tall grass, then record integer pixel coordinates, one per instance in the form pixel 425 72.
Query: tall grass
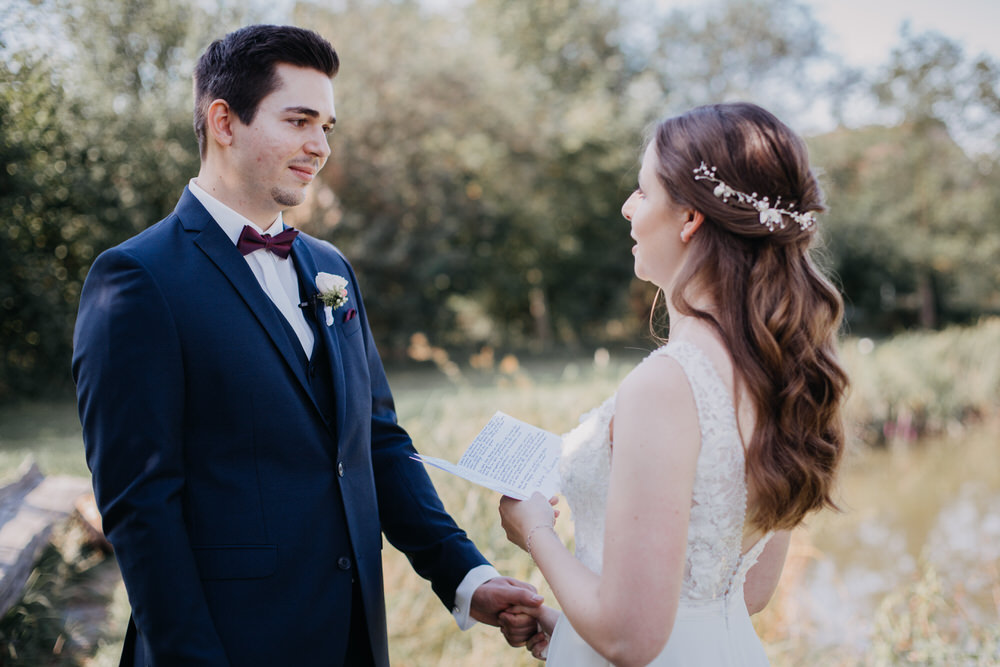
pixel 911 386
pixel 443 422
pixel 915 386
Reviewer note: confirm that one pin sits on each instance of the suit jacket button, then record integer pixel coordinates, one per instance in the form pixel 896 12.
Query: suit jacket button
pixel 340 469
pixel 344 563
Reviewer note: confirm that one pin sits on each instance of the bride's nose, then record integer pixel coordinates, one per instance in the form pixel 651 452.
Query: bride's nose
pixel 628 207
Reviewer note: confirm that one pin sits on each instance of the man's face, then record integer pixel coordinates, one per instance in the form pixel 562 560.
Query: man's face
pixel 280 152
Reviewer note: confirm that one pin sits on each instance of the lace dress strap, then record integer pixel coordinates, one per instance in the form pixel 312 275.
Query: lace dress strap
pixel 715 565
pixel 700 371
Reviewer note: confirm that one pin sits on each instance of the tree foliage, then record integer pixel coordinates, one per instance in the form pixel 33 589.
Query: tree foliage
pixel 763 51
pixel 466 182
pixel 915 218
pixel 46 246
pixel 481 158
pixel 96 144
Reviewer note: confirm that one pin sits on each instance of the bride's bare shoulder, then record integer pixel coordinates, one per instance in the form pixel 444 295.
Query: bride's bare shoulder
pixel 657 386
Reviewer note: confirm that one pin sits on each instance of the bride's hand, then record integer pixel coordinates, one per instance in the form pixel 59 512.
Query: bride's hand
pixel 537 644
pixel 545 615
pixel 520 517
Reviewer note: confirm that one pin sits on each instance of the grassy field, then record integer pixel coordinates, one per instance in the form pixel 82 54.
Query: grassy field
pixel 862 587
pixel 906 574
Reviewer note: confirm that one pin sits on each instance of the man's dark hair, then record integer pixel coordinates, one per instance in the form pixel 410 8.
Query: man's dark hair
pixel 240 68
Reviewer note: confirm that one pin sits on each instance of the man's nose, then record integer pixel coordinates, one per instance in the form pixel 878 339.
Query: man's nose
pixel 319 145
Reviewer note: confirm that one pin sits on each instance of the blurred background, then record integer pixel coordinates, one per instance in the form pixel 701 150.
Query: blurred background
pixel 482 152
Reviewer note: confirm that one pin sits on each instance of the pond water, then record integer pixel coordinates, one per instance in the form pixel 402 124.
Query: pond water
pixel 913 558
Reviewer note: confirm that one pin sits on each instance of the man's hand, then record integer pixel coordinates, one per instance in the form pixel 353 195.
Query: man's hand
pixel 495 596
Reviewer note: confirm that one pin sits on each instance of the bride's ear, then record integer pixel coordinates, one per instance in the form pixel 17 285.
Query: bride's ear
pixel 691 224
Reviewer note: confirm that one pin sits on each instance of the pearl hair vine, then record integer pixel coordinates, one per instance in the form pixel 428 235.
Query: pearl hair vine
pixel 771 216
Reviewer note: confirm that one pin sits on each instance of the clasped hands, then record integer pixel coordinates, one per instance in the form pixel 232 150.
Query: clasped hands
pixel 511 604
pixel 528 625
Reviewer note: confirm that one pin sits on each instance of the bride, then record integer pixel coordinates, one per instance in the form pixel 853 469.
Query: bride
pixel 685 484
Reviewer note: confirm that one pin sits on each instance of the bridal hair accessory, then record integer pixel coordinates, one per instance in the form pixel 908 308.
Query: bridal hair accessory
pixel 771 216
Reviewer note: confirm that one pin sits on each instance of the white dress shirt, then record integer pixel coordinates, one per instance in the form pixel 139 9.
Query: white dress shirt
pixel 278 280
pixel 276 275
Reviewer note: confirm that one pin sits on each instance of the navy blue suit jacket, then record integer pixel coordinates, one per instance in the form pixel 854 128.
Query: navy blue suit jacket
pixel 238 514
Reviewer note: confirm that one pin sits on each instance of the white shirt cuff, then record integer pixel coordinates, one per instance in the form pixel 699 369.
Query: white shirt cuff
pixel 475 578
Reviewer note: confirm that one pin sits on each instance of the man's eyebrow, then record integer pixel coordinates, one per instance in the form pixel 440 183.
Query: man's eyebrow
pixel 308 111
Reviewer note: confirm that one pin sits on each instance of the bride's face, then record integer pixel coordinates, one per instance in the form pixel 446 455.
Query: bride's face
pixel 656 222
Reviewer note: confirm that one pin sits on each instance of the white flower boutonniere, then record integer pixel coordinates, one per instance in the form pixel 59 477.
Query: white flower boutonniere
pixel 332 292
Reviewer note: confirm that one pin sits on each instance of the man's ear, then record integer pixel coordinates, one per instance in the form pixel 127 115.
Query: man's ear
pixel 219 122
pixel 691 225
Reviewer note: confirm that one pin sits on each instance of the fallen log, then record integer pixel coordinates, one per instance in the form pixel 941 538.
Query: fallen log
pixel 30 507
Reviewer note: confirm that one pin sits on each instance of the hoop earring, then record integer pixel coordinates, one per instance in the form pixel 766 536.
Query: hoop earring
pixel 652 313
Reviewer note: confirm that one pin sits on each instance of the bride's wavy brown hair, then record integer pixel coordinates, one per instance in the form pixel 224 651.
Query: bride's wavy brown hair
pixel 775 311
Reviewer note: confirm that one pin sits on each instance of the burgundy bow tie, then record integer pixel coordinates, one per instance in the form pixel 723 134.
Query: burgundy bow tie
pixel 280 244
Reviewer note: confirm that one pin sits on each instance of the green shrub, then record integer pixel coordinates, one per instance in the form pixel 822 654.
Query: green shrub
pixel 922 383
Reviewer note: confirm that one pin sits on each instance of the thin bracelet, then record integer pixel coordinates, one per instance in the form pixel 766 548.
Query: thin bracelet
pixel 527 541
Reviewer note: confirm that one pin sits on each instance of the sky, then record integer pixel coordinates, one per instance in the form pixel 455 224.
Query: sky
pixel 863 32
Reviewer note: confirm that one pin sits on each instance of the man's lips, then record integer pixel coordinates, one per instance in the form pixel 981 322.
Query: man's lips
pixel 304 172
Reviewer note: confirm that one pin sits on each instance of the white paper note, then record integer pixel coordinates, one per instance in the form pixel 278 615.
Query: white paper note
pixel 509 456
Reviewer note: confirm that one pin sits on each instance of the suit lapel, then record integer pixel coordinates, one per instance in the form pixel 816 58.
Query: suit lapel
pixel 305 265
pixel 221 251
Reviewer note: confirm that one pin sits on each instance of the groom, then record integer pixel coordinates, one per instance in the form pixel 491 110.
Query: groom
pixel 238 424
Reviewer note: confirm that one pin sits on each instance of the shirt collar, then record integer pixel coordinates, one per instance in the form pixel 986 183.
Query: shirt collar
pixel 232 223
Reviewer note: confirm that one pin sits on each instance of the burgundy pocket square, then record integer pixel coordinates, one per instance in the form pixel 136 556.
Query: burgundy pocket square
pixel 350 315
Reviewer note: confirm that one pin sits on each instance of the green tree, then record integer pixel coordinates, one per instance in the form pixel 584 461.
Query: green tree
pixel 563 230
pixel 429 123
pixel 913 227
pixel 45 249
pixel 939 204
pixel 465 183
pixel 482 158
pixel 770 52
pixel 96 145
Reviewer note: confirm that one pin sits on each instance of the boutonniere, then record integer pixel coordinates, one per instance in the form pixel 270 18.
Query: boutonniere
pixel 332 292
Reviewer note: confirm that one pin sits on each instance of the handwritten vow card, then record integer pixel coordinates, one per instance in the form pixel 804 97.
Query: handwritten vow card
pixel 510 457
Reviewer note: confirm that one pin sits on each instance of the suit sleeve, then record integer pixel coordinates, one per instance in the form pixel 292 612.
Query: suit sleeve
pixel 412 515
pixel 129 372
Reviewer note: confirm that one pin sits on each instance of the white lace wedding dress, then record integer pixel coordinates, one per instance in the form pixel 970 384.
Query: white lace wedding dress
pixel 712 627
